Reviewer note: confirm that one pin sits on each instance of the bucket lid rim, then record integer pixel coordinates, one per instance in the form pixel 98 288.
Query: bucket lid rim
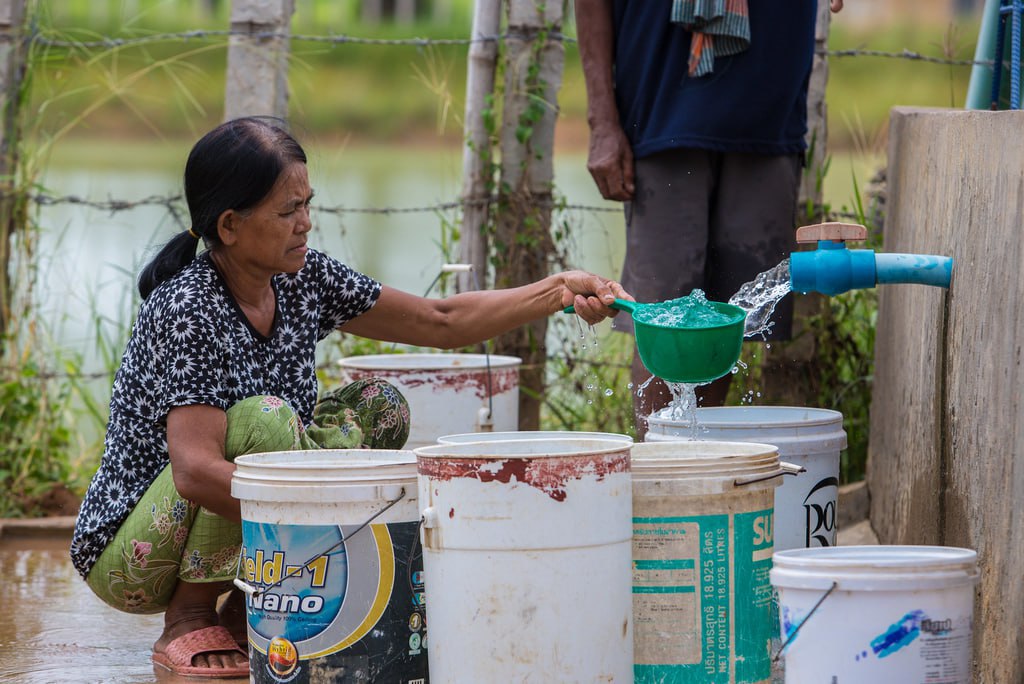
pixel 473 361
pixel 308 460
pixel 445 450
pixel 532 435
pixel 827 416
pixel 886 557
pixel 748 449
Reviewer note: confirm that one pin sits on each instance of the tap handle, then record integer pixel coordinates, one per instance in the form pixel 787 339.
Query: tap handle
pixel 836 232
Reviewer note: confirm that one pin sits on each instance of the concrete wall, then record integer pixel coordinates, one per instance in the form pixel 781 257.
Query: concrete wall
pixel 946 459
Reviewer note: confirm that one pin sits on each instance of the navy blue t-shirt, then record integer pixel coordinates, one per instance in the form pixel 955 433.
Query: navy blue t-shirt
pixel 754 101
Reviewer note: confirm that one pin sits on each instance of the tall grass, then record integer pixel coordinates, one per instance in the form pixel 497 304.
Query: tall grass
pixel 372 93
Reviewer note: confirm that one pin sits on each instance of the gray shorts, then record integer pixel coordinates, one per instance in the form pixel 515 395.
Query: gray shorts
pixel 709 220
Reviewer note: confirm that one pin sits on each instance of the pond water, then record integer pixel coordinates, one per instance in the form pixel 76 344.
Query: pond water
pixel 91 256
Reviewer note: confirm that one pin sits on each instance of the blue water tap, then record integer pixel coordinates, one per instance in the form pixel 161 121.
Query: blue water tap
pixel 833 269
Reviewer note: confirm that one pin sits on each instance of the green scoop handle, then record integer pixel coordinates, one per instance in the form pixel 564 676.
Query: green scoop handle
pixel 620 304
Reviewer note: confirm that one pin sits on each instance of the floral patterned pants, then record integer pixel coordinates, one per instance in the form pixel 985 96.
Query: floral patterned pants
pixel 167 539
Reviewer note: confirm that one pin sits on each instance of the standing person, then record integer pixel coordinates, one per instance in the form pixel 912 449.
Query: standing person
pixel 221 363
pixel 697 123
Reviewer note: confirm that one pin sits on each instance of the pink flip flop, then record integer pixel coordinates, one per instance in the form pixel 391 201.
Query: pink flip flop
pixel 177 656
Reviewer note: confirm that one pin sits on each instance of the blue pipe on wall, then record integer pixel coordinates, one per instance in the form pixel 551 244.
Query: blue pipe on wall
pixel 923 269
pixel 833 269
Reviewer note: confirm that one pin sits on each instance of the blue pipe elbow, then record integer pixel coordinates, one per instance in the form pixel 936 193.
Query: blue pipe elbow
pixel 832 269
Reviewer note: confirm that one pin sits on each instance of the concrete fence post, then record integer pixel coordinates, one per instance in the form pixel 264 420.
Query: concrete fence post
pixel 257 76
pixel 13 56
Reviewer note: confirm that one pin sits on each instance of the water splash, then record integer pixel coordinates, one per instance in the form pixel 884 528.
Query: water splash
pixel 682 408
pixel 760 296
pixel 691 311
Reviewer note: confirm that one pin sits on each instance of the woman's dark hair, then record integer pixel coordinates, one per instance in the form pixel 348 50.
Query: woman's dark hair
pixel 234 166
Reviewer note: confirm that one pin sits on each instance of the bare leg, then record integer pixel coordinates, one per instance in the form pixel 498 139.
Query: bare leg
pixel 194 606
pixel 715 393
pixel 232 616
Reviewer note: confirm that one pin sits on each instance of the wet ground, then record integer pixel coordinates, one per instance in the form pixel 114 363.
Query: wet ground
pixel 54 630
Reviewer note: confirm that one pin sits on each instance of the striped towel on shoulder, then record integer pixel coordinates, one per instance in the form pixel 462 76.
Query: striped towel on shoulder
pixel 719 27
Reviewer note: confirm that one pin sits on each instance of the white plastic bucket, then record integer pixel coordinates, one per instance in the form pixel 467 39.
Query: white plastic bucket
pixel 884 613
pixel 328 593
pixel 529 434
pixel 447 393
pixel 526 549
pixel 812 438
pixel 702 549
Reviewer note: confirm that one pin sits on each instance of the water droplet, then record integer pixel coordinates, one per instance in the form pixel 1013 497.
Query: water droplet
pixel 608 392
pixel 735 370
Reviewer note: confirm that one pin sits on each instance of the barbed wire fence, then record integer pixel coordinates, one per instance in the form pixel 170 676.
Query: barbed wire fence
pixel 173 204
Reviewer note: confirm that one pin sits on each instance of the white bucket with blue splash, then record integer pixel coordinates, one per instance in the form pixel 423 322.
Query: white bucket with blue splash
pixel 874 614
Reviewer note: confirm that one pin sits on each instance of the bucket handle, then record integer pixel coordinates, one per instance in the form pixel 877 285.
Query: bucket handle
pixel 250 590
pixel 796 630
pixel 783 469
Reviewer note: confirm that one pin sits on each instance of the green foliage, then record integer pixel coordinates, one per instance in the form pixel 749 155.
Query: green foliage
pixel 862 89
pixel 36 439
pixel 175 88
pixel 589 384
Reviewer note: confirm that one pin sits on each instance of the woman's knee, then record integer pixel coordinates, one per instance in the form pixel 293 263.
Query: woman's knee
pixel 262 423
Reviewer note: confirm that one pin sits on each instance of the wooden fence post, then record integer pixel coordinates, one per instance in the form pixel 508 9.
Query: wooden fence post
pixel 13 56
pixel 476 150
pixel 817 130
pixel 257 75
pixel 533 74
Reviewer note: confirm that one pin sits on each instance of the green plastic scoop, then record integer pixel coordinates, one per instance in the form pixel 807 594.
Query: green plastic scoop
pixel 699 344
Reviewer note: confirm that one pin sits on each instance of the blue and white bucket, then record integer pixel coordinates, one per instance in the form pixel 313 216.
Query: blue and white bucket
pixel 332 566
pixel 873 614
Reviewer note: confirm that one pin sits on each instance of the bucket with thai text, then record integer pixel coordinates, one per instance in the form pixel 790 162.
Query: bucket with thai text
pixel 526 549
pixel 447 393
pixel 873 614
pixel 702 547
pixel 332 566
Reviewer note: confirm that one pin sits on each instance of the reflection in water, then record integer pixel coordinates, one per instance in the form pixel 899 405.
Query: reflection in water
pixel 53 629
